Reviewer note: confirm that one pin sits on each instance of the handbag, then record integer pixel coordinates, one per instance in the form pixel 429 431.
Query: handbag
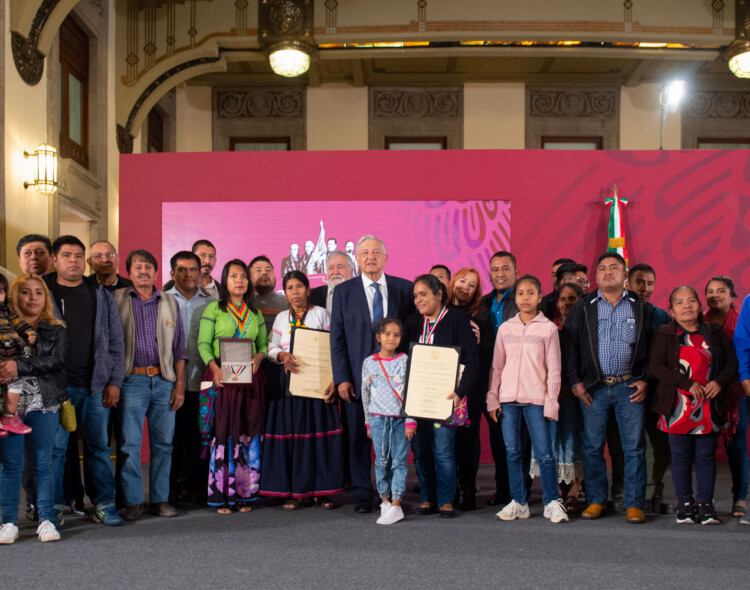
pixel 68 416
pixel 460 415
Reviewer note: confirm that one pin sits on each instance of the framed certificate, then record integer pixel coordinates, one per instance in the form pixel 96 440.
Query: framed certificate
pixel 431 377
pixel 236 356
pixel 312 348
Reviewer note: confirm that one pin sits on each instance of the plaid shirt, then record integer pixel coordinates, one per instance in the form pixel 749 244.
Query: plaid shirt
pixel 617 334
pixel 145 313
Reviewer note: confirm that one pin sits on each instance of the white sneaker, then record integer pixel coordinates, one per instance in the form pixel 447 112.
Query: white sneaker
pixel 47 532
pixel 8 533
pixel 384 506
pixel 513 511
pixel 394 514
pixel 556 512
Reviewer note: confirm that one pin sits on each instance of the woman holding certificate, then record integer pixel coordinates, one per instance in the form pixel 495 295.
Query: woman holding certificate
pixel 436 325
pixel 234 468
pixel 303 445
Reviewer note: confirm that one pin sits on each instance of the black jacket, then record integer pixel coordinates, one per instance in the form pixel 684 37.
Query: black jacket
pixel 665 366
pixel 486 350
pixel 580 342
pixel 509 307
pixel 318 296
pixel 453 330
pixel 48 363
pixel 121 283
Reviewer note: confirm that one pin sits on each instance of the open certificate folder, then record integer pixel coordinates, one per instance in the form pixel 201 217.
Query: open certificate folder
pixel 236 360
pixel 431 377
pixel 312 349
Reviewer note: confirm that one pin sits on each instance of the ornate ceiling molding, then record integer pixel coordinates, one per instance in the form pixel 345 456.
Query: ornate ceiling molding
pixel 27 57
pixel 416 103
pixel 573 103
pixel 260 104
pixel 722 104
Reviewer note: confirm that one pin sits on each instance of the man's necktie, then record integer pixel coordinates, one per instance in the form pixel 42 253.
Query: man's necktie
pixel 377 307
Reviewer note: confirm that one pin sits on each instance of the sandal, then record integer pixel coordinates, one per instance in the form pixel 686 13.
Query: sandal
pixel 291 504
pixel 245 508
pixel 325 503
pixel 571 505
pixel 738 510
pixel 224 510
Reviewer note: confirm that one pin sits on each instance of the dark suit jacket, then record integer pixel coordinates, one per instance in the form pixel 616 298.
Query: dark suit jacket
pixel 318 296
pixel 352 339
pixel 509 306
pixel 121 283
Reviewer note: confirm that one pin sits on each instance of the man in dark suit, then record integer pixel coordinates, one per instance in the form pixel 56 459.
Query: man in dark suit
pixel 358 306
pixel 338 269
pixel 292 262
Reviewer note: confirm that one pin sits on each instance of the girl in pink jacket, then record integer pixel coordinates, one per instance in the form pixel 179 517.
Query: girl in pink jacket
pixel 526 380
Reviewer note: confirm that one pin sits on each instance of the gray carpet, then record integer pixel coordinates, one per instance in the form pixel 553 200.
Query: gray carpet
pixel 314 548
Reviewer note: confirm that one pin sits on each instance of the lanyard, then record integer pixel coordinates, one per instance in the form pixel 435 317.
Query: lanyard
pixel 377 356
pixel 428 331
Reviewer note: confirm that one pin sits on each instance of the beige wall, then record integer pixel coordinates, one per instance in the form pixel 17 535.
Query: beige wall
pixel 494 116
pixel 337 118
pixel 640 120
pixel 193 118
pixel 26 211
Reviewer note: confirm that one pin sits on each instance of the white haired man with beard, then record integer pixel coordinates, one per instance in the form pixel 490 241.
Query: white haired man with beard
pixel 339 269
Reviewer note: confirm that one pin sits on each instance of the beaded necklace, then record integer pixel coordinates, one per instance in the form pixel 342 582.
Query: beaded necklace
pixel 240 316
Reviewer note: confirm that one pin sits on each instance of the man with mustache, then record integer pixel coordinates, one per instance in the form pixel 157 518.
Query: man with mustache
pixel 34 251
pixel 104 261
pixel 154 384
pixel 265 298
pixel 339 269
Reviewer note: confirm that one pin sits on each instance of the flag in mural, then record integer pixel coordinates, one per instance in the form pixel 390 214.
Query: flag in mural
pixel 616 232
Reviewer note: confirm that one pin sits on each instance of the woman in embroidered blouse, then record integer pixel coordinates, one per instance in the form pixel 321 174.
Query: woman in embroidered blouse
pixel 435 324
pixel 303 444
pixel 234 468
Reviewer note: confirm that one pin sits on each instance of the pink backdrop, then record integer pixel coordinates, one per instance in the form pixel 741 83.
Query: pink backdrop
pixel 688 216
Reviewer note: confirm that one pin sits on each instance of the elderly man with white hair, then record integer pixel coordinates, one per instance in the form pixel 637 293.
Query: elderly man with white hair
pixel 338 269
pixel 358 306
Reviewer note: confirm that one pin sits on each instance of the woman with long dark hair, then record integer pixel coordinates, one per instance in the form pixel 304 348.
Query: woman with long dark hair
pixel 436 324
pixel 303 444
pixel 234 468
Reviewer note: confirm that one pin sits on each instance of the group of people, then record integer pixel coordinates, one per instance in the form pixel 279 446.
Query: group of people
pixel 557 377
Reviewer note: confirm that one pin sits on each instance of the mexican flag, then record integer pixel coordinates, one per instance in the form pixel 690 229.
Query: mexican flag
pixel 616 232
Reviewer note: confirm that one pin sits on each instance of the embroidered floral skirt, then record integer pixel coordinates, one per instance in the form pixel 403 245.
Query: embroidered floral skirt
pixel 234 468
pixel 302 448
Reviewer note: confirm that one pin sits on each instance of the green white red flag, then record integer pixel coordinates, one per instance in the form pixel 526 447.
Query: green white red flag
pixel 616 231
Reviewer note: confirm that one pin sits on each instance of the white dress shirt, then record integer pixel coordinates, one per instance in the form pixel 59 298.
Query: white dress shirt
pixel 370 293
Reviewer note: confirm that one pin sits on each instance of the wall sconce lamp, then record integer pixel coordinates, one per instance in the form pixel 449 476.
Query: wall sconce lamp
pixel 285 29
pixel 738 53
pixel 44 163
pixel 670 95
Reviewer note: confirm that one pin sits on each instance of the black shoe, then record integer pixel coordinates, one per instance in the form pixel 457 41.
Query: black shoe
pixel 76 507
pixel 497 500
pixel 425 510
pixel 31 512
pixel 707 514
pixel 363 507
pixel 447 513
pixel 133 512
pixel 686 513
pixel 470 501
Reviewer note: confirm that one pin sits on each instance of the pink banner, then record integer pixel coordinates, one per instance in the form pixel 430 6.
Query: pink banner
pixel 417 234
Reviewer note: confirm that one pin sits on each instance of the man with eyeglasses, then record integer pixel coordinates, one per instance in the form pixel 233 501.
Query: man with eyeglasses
pixel 567 272
pixel 94 371
pixel 103 260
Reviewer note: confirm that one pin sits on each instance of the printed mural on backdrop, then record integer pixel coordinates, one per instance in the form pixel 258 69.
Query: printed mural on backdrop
pixel 300 235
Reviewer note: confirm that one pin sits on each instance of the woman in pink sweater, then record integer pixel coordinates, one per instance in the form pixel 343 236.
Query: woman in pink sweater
pixel 526 380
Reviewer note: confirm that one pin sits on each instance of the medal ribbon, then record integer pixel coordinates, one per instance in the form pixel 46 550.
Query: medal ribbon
pixel 427 330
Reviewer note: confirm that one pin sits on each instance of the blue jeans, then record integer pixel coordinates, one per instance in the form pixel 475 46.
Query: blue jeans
pixel 685 448
pixel 39 445
pixel 437 462
pixel 391 453
pixel 145 397
pixel 541 442
pixel 630 422
pixel 92 419
pixel 737 454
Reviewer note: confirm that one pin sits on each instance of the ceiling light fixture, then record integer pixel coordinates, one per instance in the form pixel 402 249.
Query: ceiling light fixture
pixel 738 53
pixel 285 34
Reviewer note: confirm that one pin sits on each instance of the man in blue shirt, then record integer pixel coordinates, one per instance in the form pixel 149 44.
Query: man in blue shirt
pixel 606 339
